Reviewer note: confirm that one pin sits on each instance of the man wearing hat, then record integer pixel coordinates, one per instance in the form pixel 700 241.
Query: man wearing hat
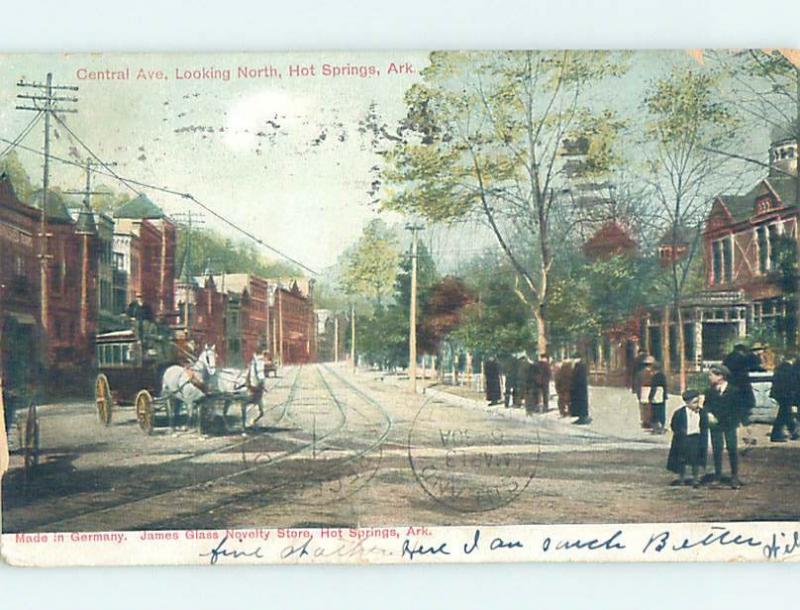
pixel 690 439
pixel 726 411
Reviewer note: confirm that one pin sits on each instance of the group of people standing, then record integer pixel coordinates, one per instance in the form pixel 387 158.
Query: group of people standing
pixel 527 384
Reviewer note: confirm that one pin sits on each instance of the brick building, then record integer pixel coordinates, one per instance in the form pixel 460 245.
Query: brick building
pixel 247 315
pixel 293 322
pixel 746 241
pixel 54 330
pixel 19 287
pixel 201 315
pixel 144 256
pixel 71 319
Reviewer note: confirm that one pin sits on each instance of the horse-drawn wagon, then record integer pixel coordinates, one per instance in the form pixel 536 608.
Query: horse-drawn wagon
pixel 140 365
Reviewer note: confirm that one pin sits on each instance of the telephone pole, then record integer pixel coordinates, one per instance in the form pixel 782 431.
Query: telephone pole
pixel 353 335
pixel 44 101
pixel 412 318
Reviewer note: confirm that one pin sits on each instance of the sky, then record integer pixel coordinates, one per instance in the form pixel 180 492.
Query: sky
pixel 281 156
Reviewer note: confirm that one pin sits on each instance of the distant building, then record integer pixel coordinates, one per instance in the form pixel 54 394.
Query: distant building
pixel 675 244
pixel 247 315
pixel 201 316
pixel 611 239
pixel 292 320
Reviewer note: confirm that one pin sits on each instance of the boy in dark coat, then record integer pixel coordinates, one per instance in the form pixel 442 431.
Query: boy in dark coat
pixel 690 440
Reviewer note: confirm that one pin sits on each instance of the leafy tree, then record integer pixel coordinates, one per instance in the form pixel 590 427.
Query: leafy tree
pixel 685 120
pixel 219 253
pixel 106 200
pixel 496 321
pixel 483 139
pixel 20 180
pixel 370 266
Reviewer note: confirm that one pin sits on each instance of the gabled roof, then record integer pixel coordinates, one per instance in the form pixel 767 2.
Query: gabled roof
pixel 56 205
pixel 139 207
pixel 609 239
pixel 742 207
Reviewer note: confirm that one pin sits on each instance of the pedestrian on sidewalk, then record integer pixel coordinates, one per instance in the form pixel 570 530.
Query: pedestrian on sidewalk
pixel 532 380
pixel 642 390
pixel 727 410
pixel 491 368
pixel 545 375
pixel 579 392
pixel 689 445
pixel 563 383
pixel 520 379
pixel 786 392
pixel 657 397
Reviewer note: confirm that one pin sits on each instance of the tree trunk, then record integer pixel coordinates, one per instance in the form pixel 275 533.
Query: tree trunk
pixel 681 348
pixel 541 330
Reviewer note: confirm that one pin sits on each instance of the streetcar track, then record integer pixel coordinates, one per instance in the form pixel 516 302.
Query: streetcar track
pixel 181 459
pixel 285 414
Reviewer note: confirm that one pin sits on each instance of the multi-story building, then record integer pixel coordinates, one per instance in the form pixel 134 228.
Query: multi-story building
pixel 293 322
pixel 144 256
pixel 70 321
pixel 201 315
pixel 19 287
pixel 247 315
pixel 750 245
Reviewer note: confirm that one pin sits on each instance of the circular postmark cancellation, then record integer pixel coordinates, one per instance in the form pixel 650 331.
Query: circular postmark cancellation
pixel 469 468
pixel 337 479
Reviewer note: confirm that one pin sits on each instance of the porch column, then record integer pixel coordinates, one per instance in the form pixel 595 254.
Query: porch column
pixel 698 339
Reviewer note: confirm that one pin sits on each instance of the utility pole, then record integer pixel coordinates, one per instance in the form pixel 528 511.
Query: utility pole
pixel 187 220
pixel 336 337
pixel 412 318
pixel 45 103
pixel 353 335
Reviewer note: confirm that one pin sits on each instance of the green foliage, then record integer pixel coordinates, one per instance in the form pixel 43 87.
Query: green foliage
pixel 106 200
pixel 222 254
pixel 497 321
pixel 483 138
pixel 370 266
pixel 20 180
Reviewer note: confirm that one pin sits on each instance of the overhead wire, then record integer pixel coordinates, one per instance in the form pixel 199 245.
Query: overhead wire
pixel 130 182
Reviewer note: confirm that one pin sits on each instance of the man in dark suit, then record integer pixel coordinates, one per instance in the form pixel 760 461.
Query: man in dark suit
pixel 491 370
pixel 740 362
pixel 724 404
pixel 579 392
pixel 786 392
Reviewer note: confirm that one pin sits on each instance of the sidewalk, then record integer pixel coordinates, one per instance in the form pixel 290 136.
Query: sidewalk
pixel 614 410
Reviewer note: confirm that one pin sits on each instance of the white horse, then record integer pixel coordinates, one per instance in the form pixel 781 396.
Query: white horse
pixel 189 385
pixel 251 381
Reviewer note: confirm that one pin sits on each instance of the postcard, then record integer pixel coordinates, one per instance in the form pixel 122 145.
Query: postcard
pixel 399 307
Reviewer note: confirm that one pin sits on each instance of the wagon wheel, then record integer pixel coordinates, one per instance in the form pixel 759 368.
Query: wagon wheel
pixel 144 411
pixel 31 440
pixel 105 402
